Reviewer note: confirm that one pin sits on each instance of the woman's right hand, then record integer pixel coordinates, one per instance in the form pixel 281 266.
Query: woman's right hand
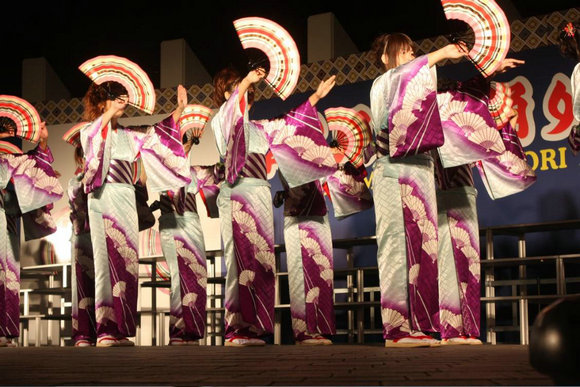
pixel 256 75
pixel 119 104
pixel 455 50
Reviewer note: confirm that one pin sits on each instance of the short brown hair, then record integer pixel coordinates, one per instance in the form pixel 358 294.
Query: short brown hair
pixel 391 45
pixel 225 80
pixel 96 97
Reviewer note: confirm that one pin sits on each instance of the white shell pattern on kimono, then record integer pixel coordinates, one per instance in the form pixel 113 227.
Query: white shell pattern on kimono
pixel 470 253
pixel 312 295
pixel 186 254
pixel 299 325
pixel 202 282
pixel 105 313
pixel 463 288
pixel 48 184
pixel 397 137
pixel 119 289
pixel 406 190
pixel 236 206
pixel 129 254
pixel 321 260
pixel 198 268
pixel 246 277
pixel 418 89
pixel 258 241
pixel 189 300
pixel 460 237
pixel 234 318
pixel 488 138
pixel 300 144
pixel 449 318
pixel 311 245
pixel 403 119
pixel 133 269
pixel 279 130
pixel 75 323
pixel 392 319
pixel 431 247
pixel 428 229
pixel 470 122
pixel 516 165
pixel 475 269
pixel 449 108
pixel 266 259
pixel 321 155
pixel 416 206
pixel 328 276
pixel 245 221
pixel 86 302
pixel 414 274
pixel 180 323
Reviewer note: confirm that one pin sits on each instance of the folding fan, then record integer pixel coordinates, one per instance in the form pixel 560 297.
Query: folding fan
pixel 7 147
pixel 73 135
pixel 500 103
pixel 350 132
pixel 491 28
pixel 106 68
pixel 24 116
pixel 194 118
pixel 268 37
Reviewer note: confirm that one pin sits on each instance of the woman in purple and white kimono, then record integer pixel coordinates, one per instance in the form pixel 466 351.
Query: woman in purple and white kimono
pixel 84 326
pixel 569 39
pixel 184 249
pixel 110 152
pixel 245 203
pixel 406 121
pixel 36 186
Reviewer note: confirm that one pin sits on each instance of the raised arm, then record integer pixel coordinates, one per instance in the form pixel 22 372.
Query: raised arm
pixel 451 51
pixel 322 91
pixel 181 102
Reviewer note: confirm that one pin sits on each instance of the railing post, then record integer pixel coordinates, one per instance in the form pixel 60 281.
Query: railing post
pixel 350 292
pixel 489 289
pixel 524 323
pixel 277 312
pixel 560 277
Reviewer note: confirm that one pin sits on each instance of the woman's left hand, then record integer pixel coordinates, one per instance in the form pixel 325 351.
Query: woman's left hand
pixel 509 63
pixel 181 102
pixel 323 89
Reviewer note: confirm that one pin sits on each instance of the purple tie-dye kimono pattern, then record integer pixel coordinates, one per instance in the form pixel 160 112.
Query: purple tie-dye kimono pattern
pixel 508 173
pixel 308 242
pixel 36 186
pixel 459 262
pixel 350 195
pixel 403 100
pixel 469 128
pixel 112 210
pixel 84 326
pixel 208 180
pixel 245 207
pixel 298 145
pixel 183 247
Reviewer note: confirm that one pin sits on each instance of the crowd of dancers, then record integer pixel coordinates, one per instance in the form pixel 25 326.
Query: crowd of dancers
pixel 426 219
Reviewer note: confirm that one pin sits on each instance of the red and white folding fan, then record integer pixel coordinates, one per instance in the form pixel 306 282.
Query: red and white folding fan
pixel 350 131
pixel 194 118
pixel 24 116
pixel 9 148
pixel 106 68
pixel 491 28
pixel 500 103
pixel 270 38
pixel 73 135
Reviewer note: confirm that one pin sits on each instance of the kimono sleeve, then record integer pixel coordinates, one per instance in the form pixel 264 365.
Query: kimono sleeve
pixel 349 195
pixel 163 157
pixel 38 223
pixel 404 102
pixel 208 179
pixel 298 145
pixel 574 137
pixel 35 182
pixel 97 150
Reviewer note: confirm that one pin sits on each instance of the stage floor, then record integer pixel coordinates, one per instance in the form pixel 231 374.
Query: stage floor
pixel 270 365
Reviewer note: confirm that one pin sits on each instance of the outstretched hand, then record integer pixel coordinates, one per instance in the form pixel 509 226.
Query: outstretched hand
pixel 323 89
pixel 256 75
pixel 509 63
pixel 181 102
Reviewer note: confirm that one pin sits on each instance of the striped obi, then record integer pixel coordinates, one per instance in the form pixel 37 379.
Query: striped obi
pixel 121 171
pixel 2 198
pixel 382 143
pixel 180 202
pixel 255 166
pixel 454 177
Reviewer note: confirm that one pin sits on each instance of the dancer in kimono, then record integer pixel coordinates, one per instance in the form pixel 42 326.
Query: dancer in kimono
pixel 110 152
pixel 308 241
pixel 406 122
pixel 569 39
pixel 36 186
pixel 84 326
pixel 245 203
pixel 184 249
